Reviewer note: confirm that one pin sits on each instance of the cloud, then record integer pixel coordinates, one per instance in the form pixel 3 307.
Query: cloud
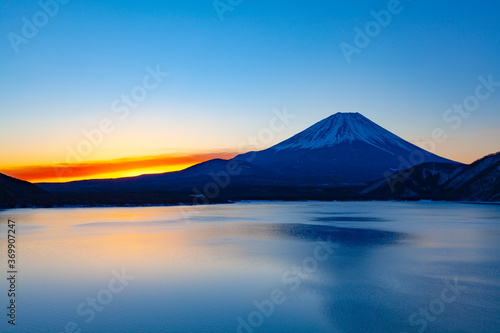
pixel 115 168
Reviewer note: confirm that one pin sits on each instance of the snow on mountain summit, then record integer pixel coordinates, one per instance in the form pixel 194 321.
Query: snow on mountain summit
pixel 345 148
pixel 343 127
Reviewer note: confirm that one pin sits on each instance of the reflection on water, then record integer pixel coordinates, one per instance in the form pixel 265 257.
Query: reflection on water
pixel 338 267
pixel 348 219
pixel 358 237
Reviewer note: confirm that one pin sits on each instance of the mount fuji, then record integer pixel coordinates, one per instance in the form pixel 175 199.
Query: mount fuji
pixel 343 149
pixel 334 158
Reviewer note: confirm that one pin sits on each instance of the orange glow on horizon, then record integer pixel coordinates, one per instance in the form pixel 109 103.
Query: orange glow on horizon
pixel 118 168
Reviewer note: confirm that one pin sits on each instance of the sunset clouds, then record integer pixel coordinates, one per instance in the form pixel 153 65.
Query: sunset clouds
pixel 116 168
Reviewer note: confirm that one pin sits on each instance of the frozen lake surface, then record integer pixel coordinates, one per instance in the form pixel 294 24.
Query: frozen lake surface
pixel 256 267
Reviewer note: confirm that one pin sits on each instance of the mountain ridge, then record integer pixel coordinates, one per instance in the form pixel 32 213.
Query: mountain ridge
pixel 19 193
pixel 344 148
pixel 478 181
pixel 342 157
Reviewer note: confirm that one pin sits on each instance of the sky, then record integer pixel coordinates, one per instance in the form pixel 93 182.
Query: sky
pixel 100 89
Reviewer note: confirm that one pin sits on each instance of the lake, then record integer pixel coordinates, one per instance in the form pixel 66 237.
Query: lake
pixel 254 267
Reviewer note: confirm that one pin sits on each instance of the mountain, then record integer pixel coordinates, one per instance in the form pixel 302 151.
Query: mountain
pixel 343 149
pixel 423 181
pixel 19 193
pixel 193 176
pixel 479 181
pixel 332 159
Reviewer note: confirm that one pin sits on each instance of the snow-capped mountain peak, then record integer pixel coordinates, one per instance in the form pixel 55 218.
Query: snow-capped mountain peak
pixel 345 148
pixel 343 127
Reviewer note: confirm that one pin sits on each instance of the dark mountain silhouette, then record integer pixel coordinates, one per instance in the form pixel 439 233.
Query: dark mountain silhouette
pixel 20 193
pixel 343 149
pixel 335 158
pixel 479 181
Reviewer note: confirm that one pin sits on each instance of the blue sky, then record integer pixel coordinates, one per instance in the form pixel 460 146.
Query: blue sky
pixel 226 77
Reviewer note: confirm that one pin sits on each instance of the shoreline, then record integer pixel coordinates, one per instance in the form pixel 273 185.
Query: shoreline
pixel 493 203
